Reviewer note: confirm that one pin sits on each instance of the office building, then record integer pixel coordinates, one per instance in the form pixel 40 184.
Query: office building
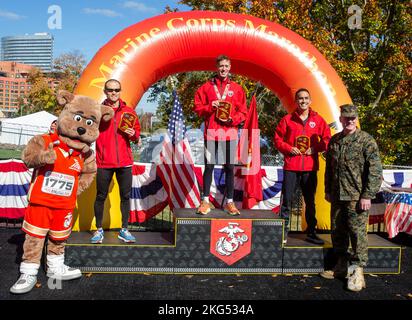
pixel 14 85
pixel 35 50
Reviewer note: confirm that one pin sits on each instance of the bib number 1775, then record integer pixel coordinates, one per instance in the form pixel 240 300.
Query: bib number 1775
pixel 58 184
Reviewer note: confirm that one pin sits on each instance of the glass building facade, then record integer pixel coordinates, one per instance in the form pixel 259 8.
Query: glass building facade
pixel 35 50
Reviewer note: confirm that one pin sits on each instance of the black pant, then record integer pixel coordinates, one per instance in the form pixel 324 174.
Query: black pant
pixel 103 179
pixel 308 181
pixel 212 157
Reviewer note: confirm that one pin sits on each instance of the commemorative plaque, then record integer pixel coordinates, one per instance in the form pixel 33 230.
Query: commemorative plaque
pixel 127 120
pixel 302 143
pixel 223 111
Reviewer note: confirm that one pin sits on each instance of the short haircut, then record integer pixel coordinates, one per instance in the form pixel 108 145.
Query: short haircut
pixel 221 58
pixel 112 80
pixel 301 90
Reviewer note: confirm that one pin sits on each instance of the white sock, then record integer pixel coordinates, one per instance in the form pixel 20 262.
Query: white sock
pixel 206 199
pixel 229 200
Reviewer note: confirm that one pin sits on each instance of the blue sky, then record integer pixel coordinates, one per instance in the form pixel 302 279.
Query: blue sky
pixel 86 25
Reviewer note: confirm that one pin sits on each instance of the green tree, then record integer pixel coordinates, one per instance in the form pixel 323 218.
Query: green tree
pixel 42 96
pixel 68 68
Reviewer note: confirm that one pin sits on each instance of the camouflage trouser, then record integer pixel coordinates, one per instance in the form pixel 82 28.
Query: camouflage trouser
pixel 350 223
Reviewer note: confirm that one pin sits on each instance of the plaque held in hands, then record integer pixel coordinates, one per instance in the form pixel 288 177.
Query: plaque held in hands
pixel 223 111
pixel 302 143
pixel 127 120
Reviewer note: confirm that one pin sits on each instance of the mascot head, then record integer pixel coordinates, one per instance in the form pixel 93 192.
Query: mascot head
pixel 78 123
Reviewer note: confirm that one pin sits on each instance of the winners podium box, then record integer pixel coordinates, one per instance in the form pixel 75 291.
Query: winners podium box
pixel 217 243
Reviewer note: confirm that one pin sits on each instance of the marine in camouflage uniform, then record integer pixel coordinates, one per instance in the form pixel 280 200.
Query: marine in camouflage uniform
pixel 352 178
pixel 353 172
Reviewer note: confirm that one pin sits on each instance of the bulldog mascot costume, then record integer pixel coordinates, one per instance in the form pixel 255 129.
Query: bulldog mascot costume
pixel 64 166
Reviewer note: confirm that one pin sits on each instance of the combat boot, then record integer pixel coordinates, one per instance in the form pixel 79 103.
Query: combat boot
pixel 356 280
pixel 340 271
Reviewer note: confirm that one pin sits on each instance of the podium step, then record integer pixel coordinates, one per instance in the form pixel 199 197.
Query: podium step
pixel 143 239
pixel 301 256
pixel 218 244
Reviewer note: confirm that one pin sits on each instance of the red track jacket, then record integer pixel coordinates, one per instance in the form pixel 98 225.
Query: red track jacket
pixel 203 107
pixel 290 127
pixel 113 146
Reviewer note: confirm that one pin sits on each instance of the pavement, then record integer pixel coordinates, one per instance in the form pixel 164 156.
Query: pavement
pixel 197 288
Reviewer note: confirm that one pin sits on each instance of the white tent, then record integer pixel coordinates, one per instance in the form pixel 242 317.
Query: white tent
pixel 19 131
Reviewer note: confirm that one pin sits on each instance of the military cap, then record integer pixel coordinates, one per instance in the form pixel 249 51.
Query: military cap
pixel 348 110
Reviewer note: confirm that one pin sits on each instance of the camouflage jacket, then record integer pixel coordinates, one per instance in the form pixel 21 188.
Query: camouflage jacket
pixel 353 167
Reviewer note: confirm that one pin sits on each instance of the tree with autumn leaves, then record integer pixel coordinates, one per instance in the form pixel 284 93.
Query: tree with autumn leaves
pixel 373 60
pixel 67 69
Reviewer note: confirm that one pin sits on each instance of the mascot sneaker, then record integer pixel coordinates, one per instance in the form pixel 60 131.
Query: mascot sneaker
pixel 25 283
pixel 28 278
pixel 64 273
pixel 58 270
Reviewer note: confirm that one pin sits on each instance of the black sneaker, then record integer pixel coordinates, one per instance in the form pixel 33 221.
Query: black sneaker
pixel 313 238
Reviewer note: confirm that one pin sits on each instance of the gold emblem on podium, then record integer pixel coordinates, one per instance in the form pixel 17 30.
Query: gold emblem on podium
pixel 223 111
pixel 302 143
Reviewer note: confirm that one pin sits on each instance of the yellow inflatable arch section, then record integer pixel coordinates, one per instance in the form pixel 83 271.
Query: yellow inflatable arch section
pixel 264 51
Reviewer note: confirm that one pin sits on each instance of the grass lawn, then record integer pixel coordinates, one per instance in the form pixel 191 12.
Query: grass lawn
pixel 10 154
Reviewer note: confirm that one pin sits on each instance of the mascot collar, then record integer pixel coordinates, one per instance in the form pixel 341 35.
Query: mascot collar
pixel 58 142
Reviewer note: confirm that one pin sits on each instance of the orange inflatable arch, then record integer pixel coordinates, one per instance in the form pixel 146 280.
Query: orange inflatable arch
pixel 264 51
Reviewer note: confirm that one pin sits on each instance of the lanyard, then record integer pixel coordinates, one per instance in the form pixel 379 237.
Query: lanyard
pixel 219 97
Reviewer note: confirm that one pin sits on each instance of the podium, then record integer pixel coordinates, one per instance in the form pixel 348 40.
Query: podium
pixel 217 243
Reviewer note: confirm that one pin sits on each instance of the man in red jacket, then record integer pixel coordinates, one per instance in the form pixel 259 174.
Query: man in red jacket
pixel 222 104
pixel 300 136
pixel 114 155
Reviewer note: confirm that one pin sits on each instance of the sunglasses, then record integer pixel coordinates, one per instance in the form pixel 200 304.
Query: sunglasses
pixel 111 90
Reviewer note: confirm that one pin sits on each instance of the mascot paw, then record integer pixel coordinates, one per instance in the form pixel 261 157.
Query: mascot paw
pixel 49 156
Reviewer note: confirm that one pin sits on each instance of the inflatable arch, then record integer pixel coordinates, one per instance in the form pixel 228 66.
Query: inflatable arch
pixel 150 50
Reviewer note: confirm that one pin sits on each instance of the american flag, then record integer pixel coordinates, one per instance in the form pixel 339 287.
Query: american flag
pixel 176 167
pixel 398 213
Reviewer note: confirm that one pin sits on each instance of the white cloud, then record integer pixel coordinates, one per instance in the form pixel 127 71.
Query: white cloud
pixel 103 12
pixel 139 6
pixel 10 15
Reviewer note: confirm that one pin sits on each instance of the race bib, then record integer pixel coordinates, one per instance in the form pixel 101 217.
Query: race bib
pixel 58 184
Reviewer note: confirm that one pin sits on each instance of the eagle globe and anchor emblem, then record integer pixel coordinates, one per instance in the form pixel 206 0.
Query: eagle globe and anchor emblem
pixel 235 243
pixel 226 245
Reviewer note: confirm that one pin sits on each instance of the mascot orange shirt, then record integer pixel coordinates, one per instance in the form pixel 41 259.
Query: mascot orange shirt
pixel 53 191
pixel 55 185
